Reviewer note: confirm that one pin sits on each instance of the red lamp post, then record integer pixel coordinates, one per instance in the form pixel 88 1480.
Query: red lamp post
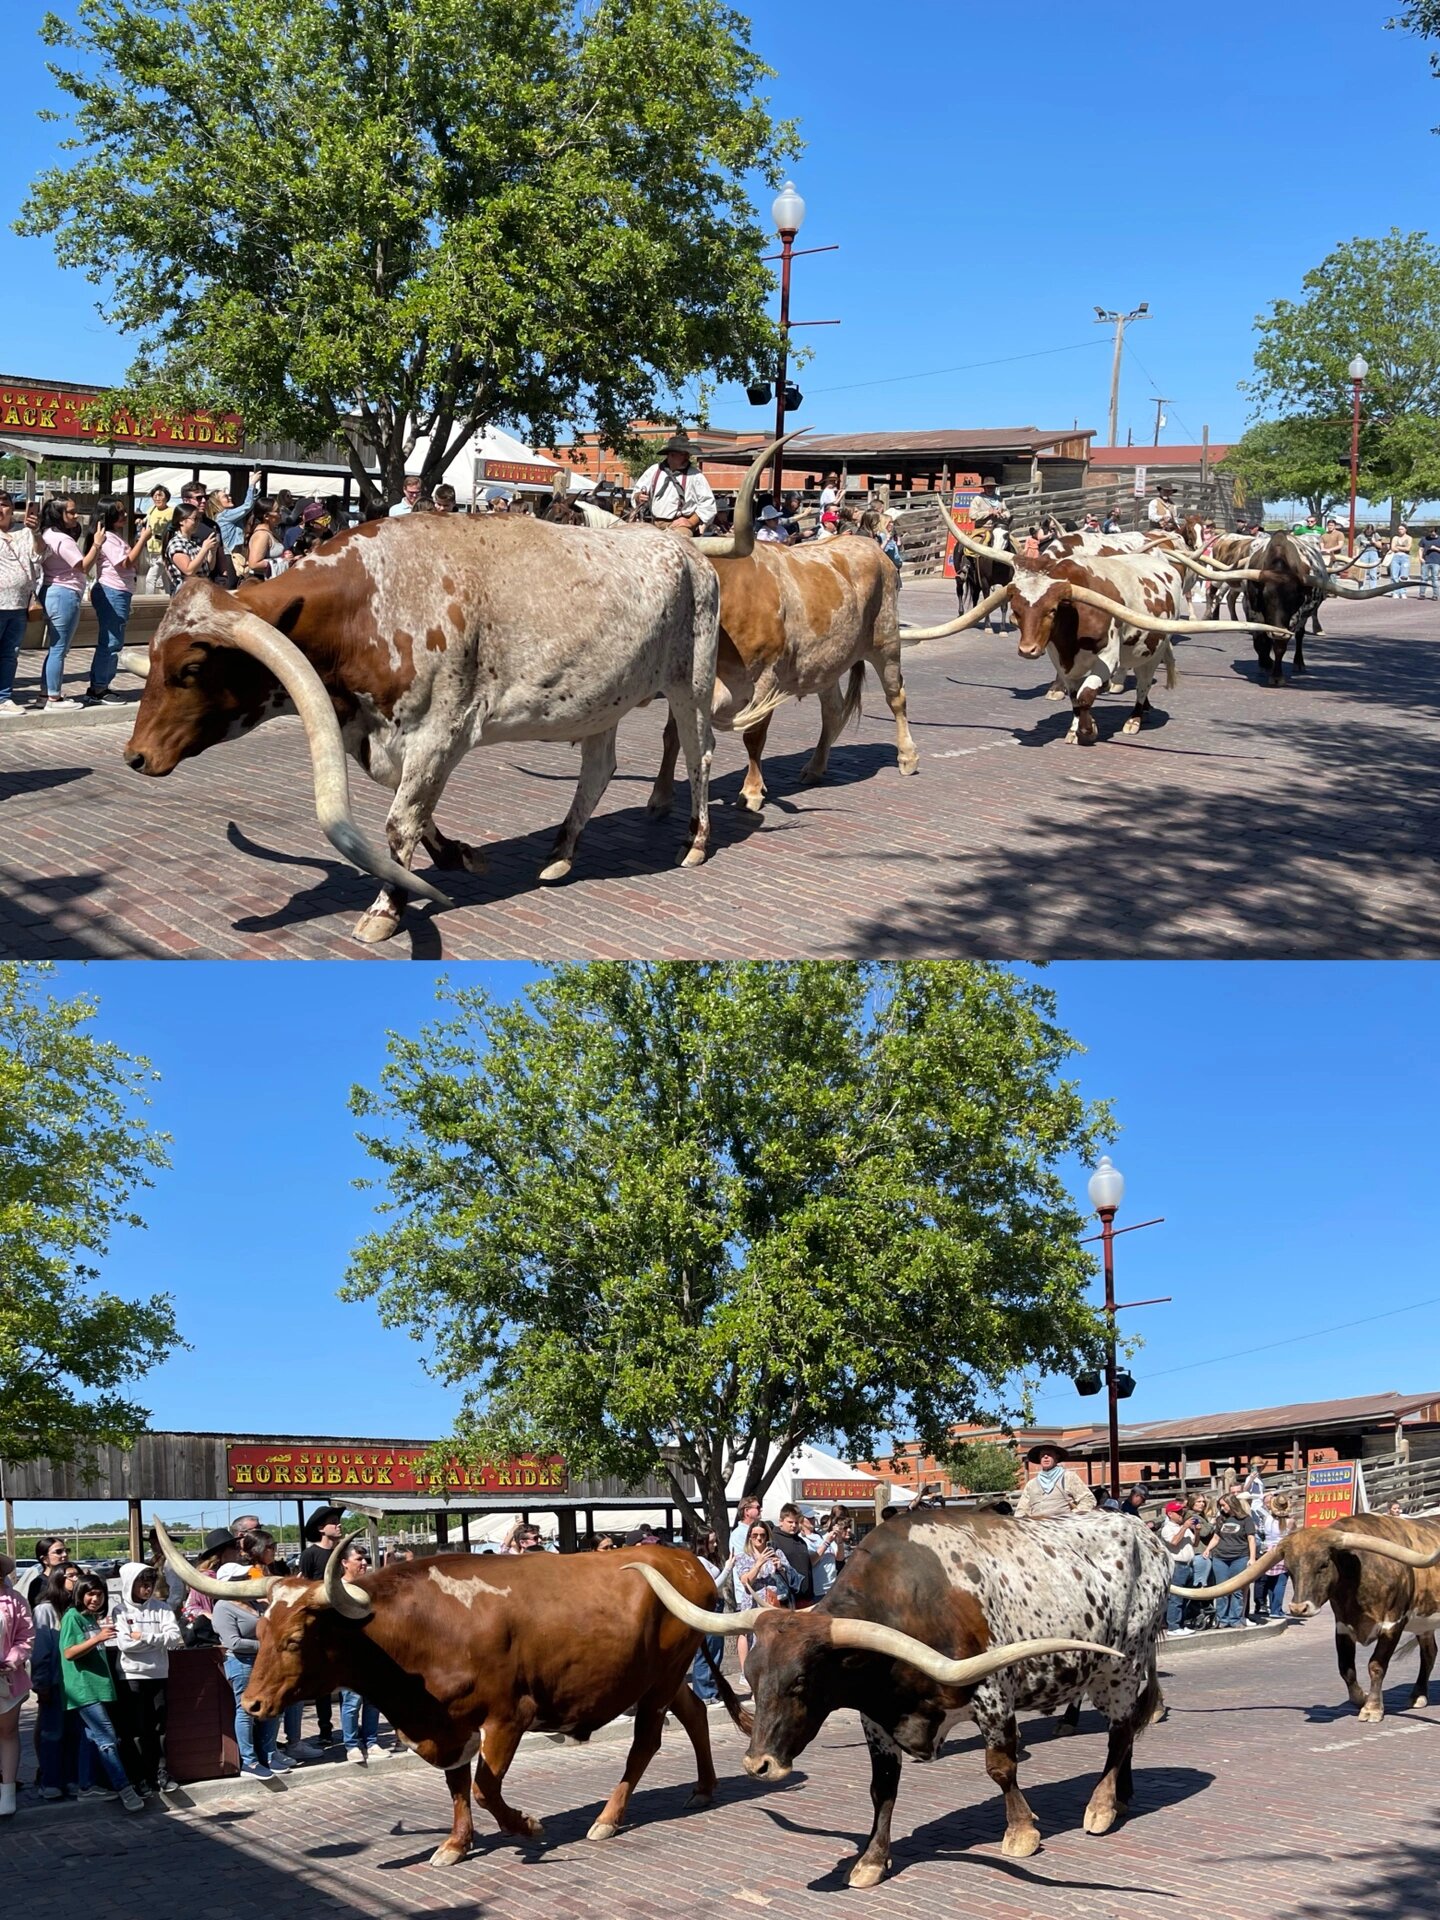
pixel 1357 371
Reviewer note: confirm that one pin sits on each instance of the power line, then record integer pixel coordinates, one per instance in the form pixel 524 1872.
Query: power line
pixel 1180 419
pixel 1292 1340
pixel 970 366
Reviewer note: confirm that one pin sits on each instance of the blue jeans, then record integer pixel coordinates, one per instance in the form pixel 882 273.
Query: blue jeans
pixel 1399 570
pixel 1230 1607
pixel 100 1735
pixel 112 616
pixel 291 1720
pixel 1182 1574
pixel 12 632
pixel 1429 577
pixel 1277 1596
pixel 62 611
pixel 359 1721
pixel 702 1680
pixel 58 1740
pixel 255 1738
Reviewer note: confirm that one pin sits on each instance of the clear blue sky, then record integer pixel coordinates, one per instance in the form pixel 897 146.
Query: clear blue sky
pixel 1196 162
pixel 1279 1117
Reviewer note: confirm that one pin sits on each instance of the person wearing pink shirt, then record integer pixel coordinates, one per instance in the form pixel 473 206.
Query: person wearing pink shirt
pixel 110 596
pixel 17 1637
pixel 65 566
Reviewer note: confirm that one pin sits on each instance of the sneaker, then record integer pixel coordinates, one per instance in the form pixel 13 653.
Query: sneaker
pixel 304 1750
pixel 356 1756
pixel 131 1800
pixel 281 1762
pixel 98 1793
pixel 256 1772
pixel 51 1793
pixel 62 705
pixel 106 699
pixel 1180 1633
pixel 166 1785
pixel 11 709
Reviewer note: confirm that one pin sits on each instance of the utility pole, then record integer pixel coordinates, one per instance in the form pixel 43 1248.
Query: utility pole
pixel 1159 419
pixel 1106 318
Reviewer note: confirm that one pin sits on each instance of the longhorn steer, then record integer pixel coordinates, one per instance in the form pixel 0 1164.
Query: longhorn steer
pixel 406 642
pixel 1378 1573
pixel 464 1654
pixel 794 621
pixel 943 1616
pixel 1292 581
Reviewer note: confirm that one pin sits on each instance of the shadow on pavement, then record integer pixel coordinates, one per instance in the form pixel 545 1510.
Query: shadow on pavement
pixel 1393 1882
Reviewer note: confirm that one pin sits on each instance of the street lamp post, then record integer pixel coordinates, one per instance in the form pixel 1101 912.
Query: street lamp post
pixel 1357 371
pixel 788 213
pixel 1107 1190
pixel 1104 317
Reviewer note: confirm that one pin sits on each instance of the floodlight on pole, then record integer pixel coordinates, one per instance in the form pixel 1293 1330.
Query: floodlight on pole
pixel 1107 317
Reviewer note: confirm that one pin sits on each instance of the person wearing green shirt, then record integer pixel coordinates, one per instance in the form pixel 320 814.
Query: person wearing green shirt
pixel 89 1685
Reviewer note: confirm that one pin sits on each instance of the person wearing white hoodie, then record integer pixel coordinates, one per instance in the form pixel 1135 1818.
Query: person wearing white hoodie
pixel 145 1631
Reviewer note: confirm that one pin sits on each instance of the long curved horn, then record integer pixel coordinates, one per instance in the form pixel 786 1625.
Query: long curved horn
pixel 1387 1549
pixel 1334 590
pixel 1186 559
pixel 972 545
pixel 202 1582
pixel 996 597
pixel 353 1603
pixel 268 645
pixel 739 543
pixel 136 661
pixel 1239 1580
pixel 871 1637
pixel 687 1611
pixel 1155 624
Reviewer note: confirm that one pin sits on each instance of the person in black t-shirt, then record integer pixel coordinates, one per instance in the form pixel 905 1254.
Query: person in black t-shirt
pixel 1231 1551
pixel 789 1541
pixel 323 1530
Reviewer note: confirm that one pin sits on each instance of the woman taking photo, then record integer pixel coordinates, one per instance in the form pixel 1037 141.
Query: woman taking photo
pixel 1231 1551
pixel 764 1576
pixel 65 566
pixel 188 554
pixel 17 1637
pixel 114 589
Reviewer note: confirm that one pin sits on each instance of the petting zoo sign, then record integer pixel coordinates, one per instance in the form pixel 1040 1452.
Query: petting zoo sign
pixel 1333 1493
pixel 307 1468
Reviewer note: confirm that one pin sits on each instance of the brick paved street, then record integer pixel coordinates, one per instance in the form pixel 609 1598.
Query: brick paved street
pixel 1244 822
pixel 1257 1797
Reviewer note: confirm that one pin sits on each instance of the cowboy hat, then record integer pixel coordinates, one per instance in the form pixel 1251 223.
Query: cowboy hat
pixel 321 1517
pixel 679 442
pixel 1047 1446
pixel 217 1538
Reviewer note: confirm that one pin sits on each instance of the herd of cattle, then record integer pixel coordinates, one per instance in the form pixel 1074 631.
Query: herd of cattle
pixel 404 643
pixel 938 1616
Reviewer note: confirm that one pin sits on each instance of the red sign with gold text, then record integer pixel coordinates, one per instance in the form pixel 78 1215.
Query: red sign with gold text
pixel 520 473
pixel 836 1490
pixel 1330 1493
pixel 343 1469
pixel 55 413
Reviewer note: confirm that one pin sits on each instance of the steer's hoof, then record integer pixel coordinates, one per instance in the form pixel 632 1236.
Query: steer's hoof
pixel 910 764
pixel 752 802
pixel 1064 1727
pixel 603 1830
pixel 1055 693
pixel 1100 1819
pixel 868 1873
pixel 1020 1842
pixel 377 924
pixel 699 1798
pixel 812 776
pixel 450 1855
pixel 1132 725
pixel 691 856
pixel 557 870
pixel 1420 1700
pixel 1369 1712
pixel 473 859
pixel 1116 686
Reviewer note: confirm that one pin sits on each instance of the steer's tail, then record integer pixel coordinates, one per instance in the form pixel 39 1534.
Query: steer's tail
pixel 851 709
pixel 729 1699
pixel 1150 1707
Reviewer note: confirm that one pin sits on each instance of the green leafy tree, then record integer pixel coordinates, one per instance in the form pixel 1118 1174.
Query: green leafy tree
pixel 981 1466
pixel 1381 299
pixel 728 1209
pixel 1423 19
pixel 75 1144
pixel 1294 459
pixel 372 222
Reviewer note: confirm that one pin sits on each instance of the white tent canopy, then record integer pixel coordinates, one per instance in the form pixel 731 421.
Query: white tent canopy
pixel 815 1465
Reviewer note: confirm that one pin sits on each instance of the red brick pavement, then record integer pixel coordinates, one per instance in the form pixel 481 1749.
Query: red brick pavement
pixel 1245 821
pixel 1257 1797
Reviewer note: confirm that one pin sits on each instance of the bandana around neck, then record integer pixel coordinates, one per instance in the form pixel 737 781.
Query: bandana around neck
pixel 1050 1477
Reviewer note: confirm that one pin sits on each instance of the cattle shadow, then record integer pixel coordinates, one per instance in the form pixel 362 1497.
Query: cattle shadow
pixel 1336 859
pixel 23 780
pixel 30 905
pixel 1059 1809
pixel 1396 1881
